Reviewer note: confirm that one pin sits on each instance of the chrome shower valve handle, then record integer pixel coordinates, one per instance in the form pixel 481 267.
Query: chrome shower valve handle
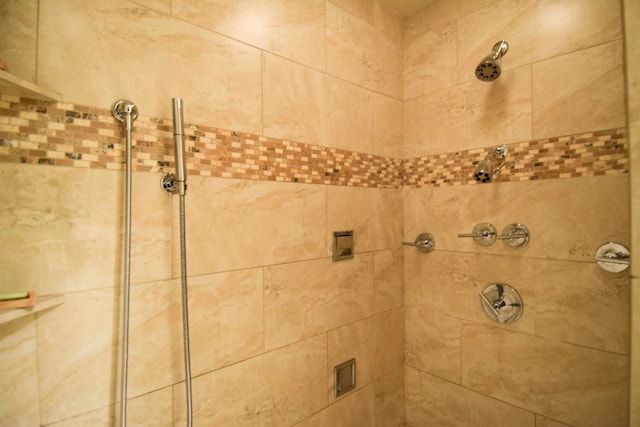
pixel 425 242
pixel 484 234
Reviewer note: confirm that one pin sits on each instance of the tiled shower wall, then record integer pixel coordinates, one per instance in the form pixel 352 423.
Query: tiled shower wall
pixel 565 362
pixel 297 107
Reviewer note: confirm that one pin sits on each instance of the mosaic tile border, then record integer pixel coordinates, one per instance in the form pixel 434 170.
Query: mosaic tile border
pixel 63 134
pixel 36 132
pixel 589 154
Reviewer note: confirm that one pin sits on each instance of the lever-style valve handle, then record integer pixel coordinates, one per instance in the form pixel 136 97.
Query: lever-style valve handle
pixel 424 242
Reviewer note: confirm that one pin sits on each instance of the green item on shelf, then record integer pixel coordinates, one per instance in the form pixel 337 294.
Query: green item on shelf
pixel 8 296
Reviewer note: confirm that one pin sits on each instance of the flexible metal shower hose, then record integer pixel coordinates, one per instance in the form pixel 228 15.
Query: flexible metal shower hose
pixel 185 310
pixel 127 277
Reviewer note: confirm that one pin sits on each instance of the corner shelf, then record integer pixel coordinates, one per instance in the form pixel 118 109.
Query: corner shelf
pixel 16 86
pixel 44 302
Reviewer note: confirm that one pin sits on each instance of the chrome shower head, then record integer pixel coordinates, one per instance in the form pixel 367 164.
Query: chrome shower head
pixel 489 68
pixel 485 170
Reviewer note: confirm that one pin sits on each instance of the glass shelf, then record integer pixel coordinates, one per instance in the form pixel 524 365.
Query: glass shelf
pixel 16 86
pixel 44 302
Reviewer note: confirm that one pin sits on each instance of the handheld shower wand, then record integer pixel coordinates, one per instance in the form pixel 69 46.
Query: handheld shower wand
pixel 178 139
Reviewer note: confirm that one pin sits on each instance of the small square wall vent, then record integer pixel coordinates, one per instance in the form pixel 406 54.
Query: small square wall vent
pixel 345 377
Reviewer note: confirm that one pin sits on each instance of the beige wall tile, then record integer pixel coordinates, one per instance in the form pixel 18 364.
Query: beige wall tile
pixel 632 28
pixel 535 31
pixel 155 317
pixel 292 30
pixel 224 83
pixel 152 409
pixel 580 214
pixel 437 13
pixel 18 41
pixel 103 417
pixel 76 354
pixel 448 283
pixel 305 105
pixel 355 341
pixel 362 9
pixel 582 304
pixel 389 279
pixel 163 6
pixel 65 226
pixel 387 126
pixel 390 399
pixel 432 343
pixel 389 23
pixel 371 213
pixel 432 401
pixel 362 55
pixel 19 373
pixel 226 316
pixel 230 224
pixel 635 351
pixel 569 383
pixel 573 93
pixel 278 388
pixel 307 298
pixel 546 422
pixel 430 62
pixel 389 342
pixel 470 115
pixel 355 410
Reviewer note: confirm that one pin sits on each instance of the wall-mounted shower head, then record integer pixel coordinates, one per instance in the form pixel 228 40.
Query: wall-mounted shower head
pixel 489 68
pixel 485 170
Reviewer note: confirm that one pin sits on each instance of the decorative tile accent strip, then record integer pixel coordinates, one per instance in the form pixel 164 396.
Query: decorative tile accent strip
pixel 36 132
pixel 589 154
pixel 61 134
